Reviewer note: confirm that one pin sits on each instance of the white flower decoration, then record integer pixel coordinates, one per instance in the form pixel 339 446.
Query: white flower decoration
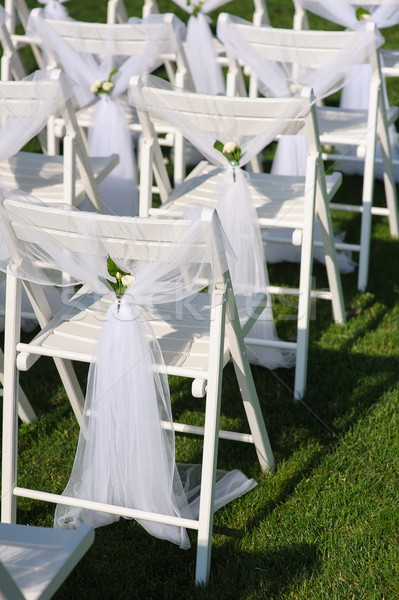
pixel 107 86
pixel 229 147
pixel 96 86
pixel 128 280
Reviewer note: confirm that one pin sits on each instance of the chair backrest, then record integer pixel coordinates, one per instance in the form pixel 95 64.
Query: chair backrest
pixel 116 11
pixel 123 40
pixel 28 104
pixel 303 48
pixel 251 117
pixel 299 52
pixel 77 232
pixel 31 104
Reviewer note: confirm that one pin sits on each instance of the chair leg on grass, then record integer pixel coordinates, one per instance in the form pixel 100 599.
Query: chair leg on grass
pixel 10 400
pixel 248 391
pixel 211 438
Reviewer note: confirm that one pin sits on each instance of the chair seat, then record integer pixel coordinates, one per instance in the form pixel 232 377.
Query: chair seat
pixel 43 176
pixel 344 126
pixel 181 329
pixel 390 62
pixel 39 558
pixel 279 200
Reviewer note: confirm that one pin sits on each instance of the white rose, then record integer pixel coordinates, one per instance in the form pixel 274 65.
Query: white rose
pixel 229 147
pixel 96 86
pixel 128 280
pixel 107 86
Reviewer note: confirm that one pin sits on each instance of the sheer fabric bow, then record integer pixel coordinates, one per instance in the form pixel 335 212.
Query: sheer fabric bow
pixel 109 133
pixel 54 9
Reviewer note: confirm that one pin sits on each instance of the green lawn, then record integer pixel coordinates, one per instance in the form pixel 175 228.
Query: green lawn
pixel 325 524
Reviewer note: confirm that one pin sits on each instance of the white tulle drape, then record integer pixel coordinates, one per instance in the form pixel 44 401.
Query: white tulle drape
pixel 16 131
pixel 282 77
pixel 126 453
pixel 55 9
pixel 109 132
pixel 201 53
pixel 355 95
pixel 233 200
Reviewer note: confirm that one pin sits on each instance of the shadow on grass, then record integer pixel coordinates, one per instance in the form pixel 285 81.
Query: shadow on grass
pixel 142 567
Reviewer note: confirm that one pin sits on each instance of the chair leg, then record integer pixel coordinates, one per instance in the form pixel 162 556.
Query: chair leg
pixel 330 254
pixel 10 400
pixel 211 437
pixel 248 391
pixel 368 192
pixel 305 282
pixel 65 369
pixel 25 410
pixel 71 386
pixel 389 176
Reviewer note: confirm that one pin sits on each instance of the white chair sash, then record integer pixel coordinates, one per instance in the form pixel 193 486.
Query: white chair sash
pixel 109 133
pixel 280 78
pixel 15 132
pixel 355 95
pixel 206 73
pixel 236 211
pixel 55 9
pixel 125 452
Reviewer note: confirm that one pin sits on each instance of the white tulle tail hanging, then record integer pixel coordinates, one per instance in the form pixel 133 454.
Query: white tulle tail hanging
pixel 125 453
pixel 204 121
pixel 104 79
pixel 201 52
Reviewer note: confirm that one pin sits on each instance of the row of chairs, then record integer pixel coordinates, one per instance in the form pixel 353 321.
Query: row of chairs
pixel 292 202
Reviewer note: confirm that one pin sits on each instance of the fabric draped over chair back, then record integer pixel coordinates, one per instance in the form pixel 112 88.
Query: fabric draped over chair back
pixel 55 9
pixel 109 133
pixel 355 95
pixel 51 89
pixel 207 74
pixel 125 453
pixel 284 77
pixel 235 208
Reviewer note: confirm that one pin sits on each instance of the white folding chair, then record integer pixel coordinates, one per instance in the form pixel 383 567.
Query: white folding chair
pixel 292 202
pixel 385 15
pixel 89 52
pixel 35 561
pixel 11 65
pixel 339 128
pixel 68 178
pixel 18 13
pixel 197 340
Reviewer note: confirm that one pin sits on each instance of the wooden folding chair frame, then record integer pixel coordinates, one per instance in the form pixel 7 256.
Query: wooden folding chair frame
pixel 316 201
pixel 226 340
pixel 375 123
